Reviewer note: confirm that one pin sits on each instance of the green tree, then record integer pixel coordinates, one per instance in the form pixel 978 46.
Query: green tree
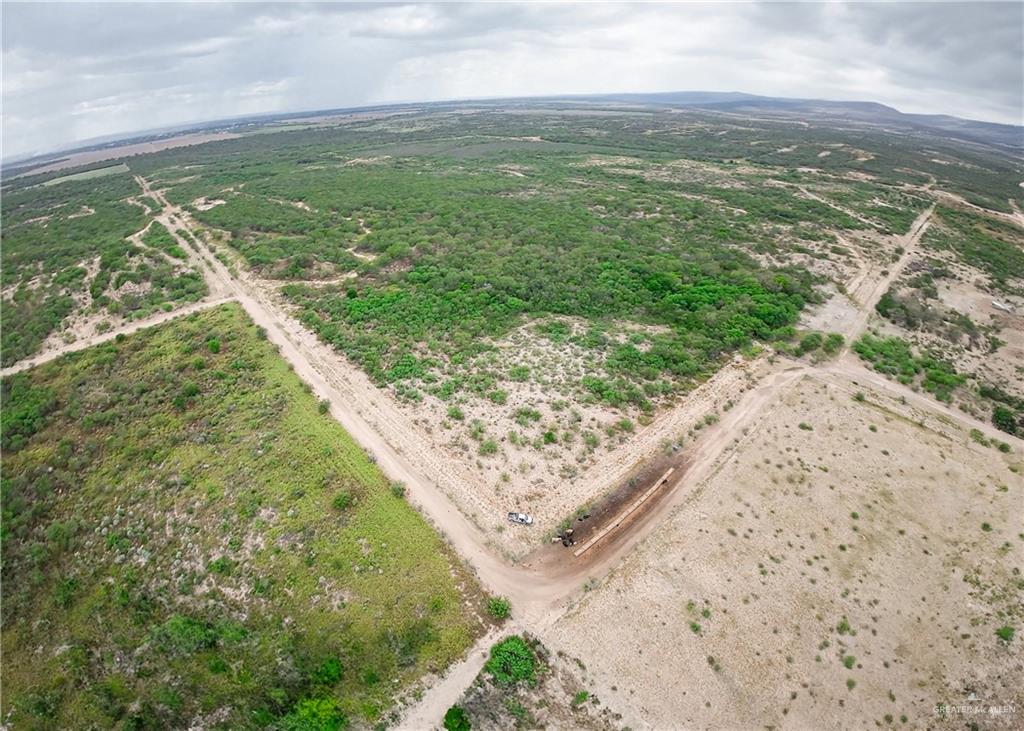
pixel 512 661
pixel 1004 419
pixel 455 719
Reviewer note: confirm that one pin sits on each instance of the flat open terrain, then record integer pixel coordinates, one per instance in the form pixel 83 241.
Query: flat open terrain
pixel 529 311
pixel 189 541
pixel 817 327
pixel 83 258
pixel 89 174
pixel 544 310
pixel 91 157
pixel 959 303
pixel 849 562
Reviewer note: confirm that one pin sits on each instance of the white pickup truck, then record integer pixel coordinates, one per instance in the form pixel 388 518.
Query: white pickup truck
pixel 521 518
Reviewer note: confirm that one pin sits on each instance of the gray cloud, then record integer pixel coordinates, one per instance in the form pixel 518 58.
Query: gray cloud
pixel 81 70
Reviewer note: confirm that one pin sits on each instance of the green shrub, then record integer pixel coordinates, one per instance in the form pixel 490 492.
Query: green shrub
pixel 1006 633
pixel 213 344
pixel 64 592
pixel 1005 419
pixel 454 412
pixel 499 607
pixel 329 671
pixel 24 410
pixel 895 358
pixel 323 406
pixel 315 714
pixel 221 565
pixel 455 719
pixel 833 342
pixel 398 489
pixel 525 416
pixel 342 500
pixel 512 661
pixel 181 635
pixel 810 342
pixel 488 447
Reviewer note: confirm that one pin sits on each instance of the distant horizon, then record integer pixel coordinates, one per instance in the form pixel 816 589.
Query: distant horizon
pixel 176 129
pixel 99 70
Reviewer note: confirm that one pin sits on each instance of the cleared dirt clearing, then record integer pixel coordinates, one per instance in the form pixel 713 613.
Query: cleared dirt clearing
pixel 844 564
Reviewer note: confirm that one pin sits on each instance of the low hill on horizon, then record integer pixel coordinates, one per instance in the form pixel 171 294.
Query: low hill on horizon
pixel 1005 137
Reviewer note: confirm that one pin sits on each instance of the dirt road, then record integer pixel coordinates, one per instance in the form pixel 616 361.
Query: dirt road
pixel 535 592
pixel 533 595
pixel 539 590
pixel 1015 218
pixel 873 290
pixel 127 329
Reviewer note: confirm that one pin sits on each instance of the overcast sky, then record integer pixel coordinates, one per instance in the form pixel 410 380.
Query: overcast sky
pixel 76 71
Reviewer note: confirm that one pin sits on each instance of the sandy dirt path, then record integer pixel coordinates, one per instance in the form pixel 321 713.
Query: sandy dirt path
pixel 870 294
pixel 446 690
pixel 1016 218
pixel 539 591
pixel 127 329
pixel 835 206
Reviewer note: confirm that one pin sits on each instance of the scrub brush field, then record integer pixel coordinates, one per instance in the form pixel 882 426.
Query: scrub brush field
pixel 190 541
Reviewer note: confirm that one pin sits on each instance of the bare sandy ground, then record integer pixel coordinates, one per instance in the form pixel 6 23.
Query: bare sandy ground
pixel 866 540
pixel 837 314
pixel 538 591
pixel 75 159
